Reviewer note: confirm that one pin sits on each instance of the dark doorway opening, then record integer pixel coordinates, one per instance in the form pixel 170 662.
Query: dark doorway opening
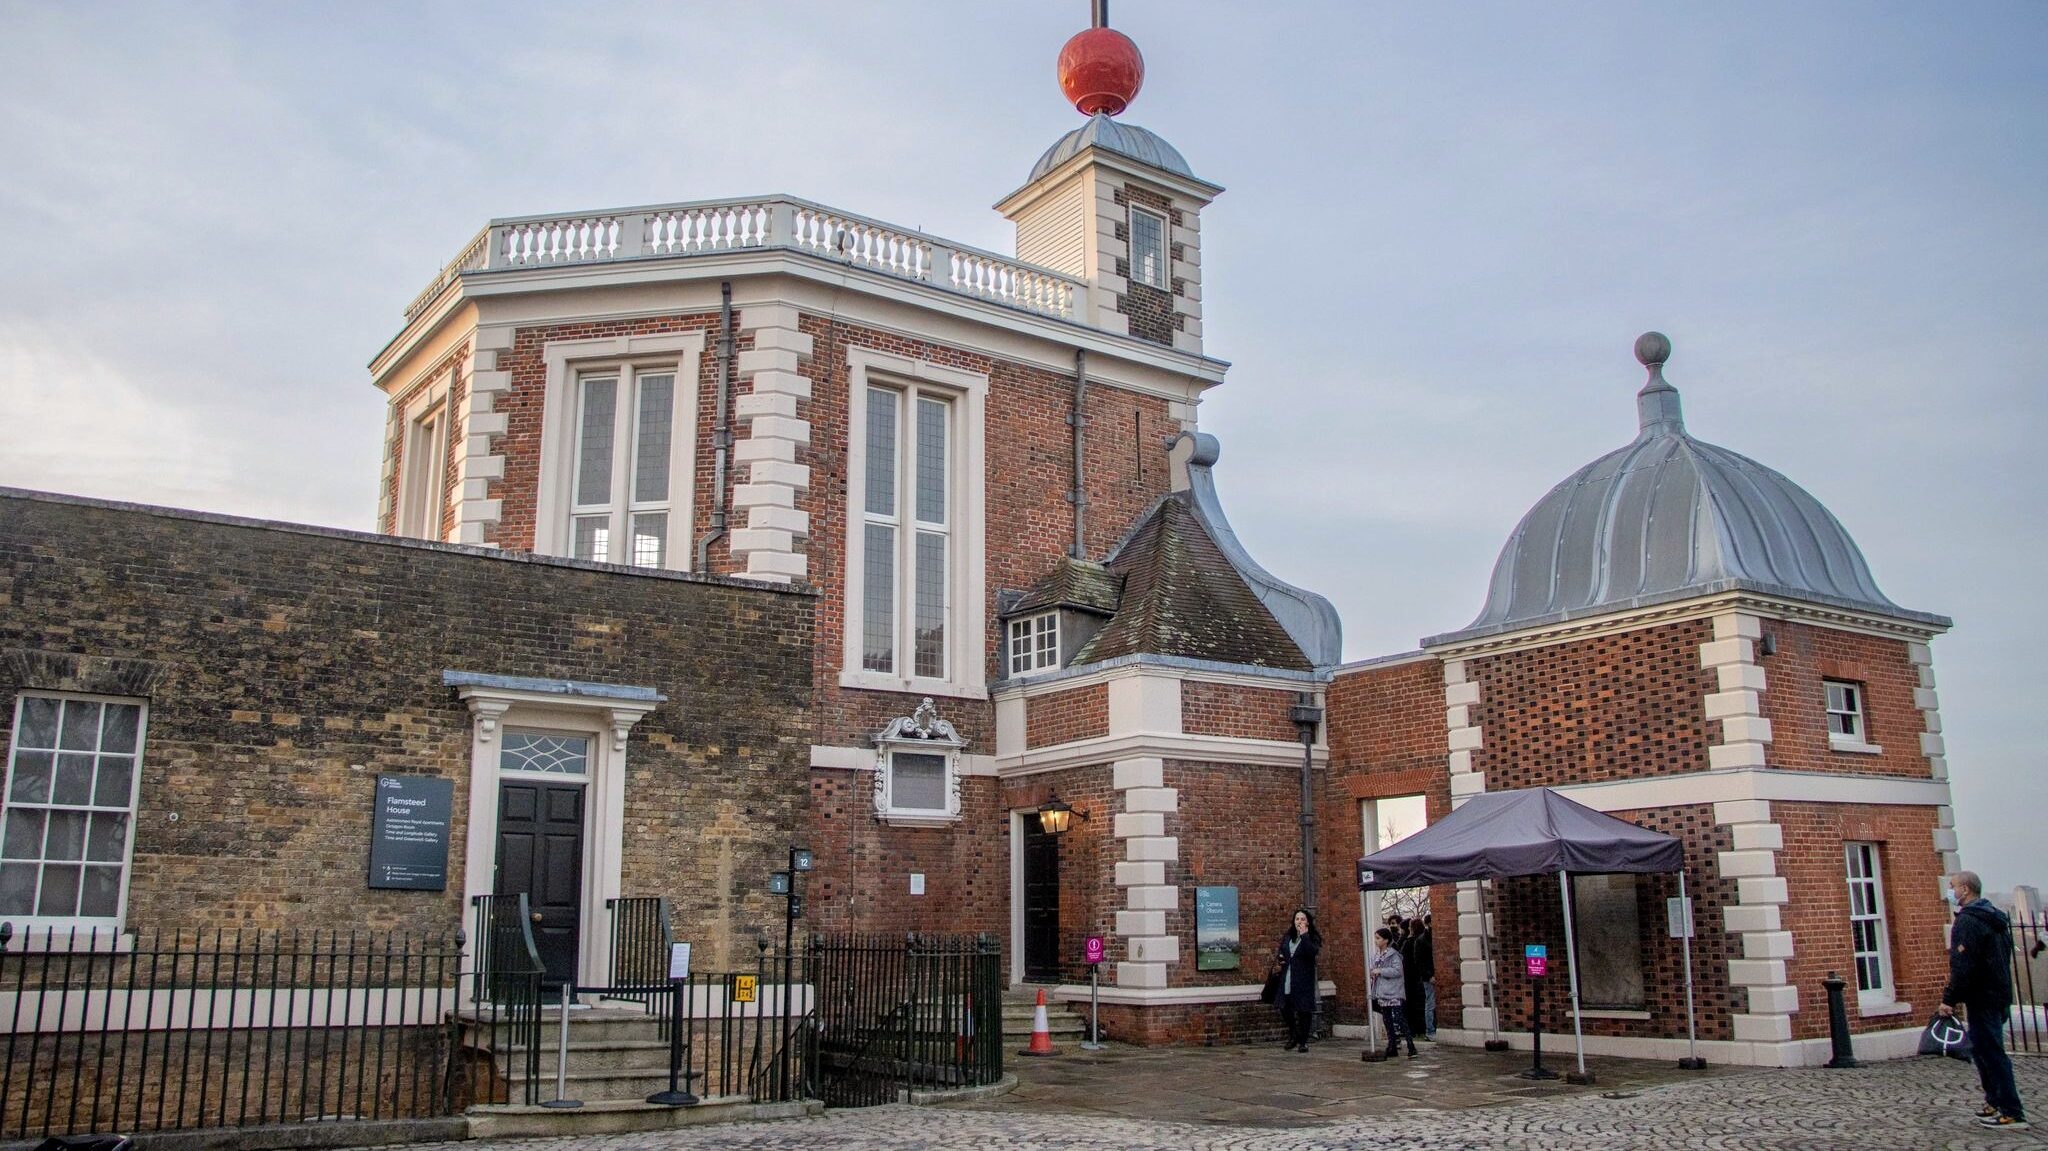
pixel 1041 903
pixel 540 852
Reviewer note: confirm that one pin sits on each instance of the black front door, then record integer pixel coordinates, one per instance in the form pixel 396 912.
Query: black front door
pixel 540 852
pixel 1041 903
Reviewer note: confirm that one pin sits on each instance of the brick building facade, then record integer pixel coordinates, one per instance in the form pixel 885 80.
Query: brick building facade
pixel 279 671
pixel 933 536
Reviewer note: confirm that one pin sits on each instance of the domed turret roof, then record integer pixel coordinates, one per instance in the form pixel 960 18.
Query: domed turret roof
pixel 1124 139
pixel 1667 517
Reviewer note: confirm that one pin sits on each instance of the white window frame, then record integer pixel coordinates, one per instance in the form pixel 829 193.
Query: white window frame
pixel 921 733
pixel 1028 653
pixel 568 363
pixel 965 674
pixel 1866 905
pixel 1858 740
pixel 422 506
pixel 114 923
pixel 623 505
pixel 1162 271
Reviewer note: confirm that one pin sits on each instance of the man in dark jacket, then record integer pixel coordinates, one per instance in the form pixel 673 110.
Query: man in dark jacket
pixel 1980 980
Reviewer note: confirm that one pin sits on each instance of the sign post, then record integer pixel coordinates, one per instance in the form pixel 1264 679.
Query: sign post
pixel 1679 911
pixel 1536 963
pixel 678 986
pixel 1094 951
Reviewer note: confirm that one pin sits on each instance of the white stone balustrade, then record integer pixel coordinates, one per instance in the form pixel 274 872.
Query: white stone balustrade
pixel 670 230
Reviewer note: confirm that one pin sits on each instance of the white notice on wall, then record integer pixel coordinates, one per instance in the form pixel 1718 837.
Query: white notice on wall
pixel 678 961
pixel 917 883
pixel 1679 912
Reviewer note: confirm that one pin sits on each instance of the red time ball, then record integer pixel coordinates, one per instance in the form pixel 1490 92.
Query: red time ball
pixel 1101 71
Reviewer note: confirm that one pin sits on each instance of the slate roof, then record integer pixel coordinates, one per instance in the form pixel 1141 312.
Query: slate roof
pixel 1182 596
pixel 1075 584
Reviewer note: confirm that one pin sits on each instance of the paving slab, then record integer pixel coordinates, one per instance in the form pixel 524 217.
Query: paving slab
pixel 1909 1105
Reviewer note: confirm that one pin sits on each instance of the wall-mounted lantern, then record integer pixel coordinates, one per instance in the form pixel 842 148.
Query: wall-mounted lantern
pixel 1055 815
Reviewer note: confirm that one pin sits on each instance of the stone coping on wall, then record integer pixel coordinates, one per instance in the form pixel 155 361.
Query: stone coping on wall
pixel 354 536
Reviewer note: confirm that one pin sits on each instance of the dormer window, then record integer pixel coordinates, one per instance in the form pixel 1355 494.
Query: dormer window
pixel 1034 644
pixel 917 770
pixel 1148 248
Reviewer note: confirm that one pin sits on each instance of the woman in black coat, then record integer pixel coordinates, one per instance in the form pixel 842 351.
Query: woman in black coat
pixel 1296 960
pixel 1417 964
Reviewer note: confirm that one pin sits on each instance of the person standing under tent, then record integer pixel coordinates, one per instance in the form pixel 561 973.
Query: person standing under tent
pixel 1980 981
pixel 1389 991
pixel 1428 979
pixel 1296 956
pixel 1415 967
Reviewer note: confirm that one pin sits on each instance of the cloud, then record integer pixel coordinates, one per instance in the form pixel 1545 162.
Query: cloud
pixel 77 424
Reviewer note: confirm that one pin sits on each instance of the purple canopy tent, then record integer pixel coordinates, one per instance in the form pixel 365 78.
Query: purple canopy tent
pixel 1499 834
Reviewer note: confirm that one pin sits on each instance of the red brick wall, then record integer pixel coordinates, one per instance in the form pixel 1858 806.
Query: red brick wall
pixel 1066 716
pixel 1528 910
pixel 1029 524
pixel 1795 701
pixel 1237 827
pixel 1387 738
pixel 1194 1024
pixel 1232 710
pixel 524 402
pixel 1818 914
pixel 862 881
pixel 1609 707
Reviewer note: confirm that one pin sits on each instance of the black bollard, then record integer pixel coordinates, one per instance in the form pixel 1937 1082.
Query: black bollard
pixel 1838 1023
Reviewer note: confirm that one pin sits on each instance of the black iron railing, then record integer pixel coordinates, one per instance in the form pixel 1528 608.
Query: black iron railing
pixel 640 952
pixel 2029 985
pixel 111 1031
pixel 905 1013
pixel 503 1021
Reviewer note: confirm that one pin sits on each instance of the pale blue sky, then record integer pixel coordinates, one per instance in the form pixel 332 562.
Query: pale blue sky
pixel 1445 226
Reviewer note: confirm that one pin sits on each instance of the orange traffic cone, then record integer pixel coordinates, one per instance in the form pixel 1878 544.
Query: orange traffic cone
pixel 1041 1031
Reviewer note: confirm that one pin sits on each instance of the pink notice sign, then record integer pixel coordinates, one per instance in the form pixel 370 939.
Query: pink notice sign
pixel 1092 950
pixel 1538 965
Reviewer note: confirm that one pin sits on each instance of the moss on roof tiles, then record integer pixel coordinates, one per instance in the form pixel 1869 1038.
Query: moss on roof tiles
pixel 1182 597
pixel 1076 584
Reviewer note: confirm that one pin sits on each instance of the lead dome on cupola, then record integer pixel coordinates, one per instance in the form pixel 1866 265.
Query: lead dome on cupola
pixel 1668 517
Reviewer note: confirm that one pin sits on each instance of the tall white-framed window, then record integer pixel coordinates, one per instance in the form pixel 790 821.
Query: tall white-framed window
pixel 73 772
pixel 907 515
pixel 1868 938
pixel 423 464
pixel 624 486
pixel 915 572
pixel 1148 247
pixel 1845 712
pixel 618 450
pixel 1035 644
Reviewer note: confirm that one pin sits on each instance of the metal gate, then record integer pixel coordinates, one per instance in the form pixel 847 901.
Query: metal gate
pixel 902 1013
pixel 2029 984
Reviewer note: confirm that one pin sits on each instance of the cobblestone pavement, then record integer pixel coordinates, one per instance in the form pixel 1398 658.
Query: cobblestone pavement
pixel 1913 1105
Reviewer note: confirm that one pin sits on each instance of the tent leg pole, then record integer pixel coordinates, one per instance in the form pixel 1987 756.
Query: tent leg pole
pixel 1571 956
pixel 1486 906
pixel 1368 908
pixel 1692 1061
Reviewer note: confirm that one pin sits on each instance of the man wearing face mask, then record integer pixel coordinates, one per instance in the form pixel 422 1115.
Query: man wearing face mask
pixel 1980 980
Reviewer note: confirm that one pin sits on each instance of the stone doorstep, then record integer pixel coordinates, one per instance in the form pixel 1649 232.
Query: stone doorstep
pixel 514 1121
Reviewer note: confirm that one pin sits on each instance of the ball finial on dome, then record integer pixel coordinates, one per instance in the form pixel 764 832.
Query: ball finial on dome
pixel 1653 349
pixel 1101 71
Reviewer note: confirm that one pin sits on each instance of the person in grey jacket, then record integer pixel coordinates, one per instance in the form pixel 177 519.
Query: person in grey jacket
pixel 1389 991
pixel 1980 981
